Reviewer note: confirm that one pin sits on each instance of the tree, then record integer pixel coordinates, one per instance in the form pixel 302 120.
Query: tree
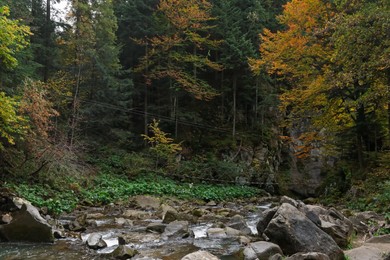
pixel 334 62
pixel 13 38
pixel 184 23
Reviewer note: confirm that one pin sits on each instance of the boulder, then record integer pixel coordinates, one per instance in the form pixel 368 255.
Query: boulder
pixel 156 227
pixel 231 232
pixel 27 225
pixel 264 249
pixel 295 233
pixel 249 254
pixel 238 222
pixel 123 252
pixel 200 255
pixel 332 222
pixel 264 218
pixel 361 220
pixel 308 256
pixel 216 233
pixel 176 229
pixel 95 241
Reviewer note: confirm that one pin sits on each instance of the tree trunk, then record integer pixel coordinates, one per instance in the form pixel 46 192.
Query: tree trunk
pixel 47 41
pixel 234 104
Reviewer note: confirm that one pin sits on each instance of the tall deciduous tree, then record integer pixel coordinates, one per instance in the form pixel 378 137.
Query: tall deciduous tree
pixel 13 38
pixel 334 60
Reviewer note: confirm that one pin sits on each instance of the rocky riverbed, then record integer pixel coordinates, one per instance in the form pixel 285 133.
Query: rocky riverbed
pixel 149 228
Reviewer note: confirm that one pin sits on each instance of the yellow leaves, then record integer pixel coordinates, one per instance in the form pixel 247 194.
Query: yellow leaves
pixel 13 38
pixel 160 143
pixel 187 14
pixel 11 123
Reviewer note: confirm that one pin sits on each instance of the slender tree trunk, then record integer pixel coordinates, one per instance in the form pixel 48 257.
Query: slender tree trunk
pixel 360 133
pixel 176 114
pixel 47 41
pixel 234 104
pixel 74 108
pixel 146 95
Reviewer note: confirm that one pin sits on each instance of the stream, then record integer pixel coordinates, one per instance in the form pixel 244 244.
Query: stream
pixel 151 246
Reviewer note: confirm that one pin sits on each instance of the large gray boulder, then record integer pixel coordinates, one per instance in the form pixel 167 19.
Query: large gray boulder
pixel 294 232
pixel 238 222
pixel 27 225
pixel 200 255
pixel 264 250
pixel 176 229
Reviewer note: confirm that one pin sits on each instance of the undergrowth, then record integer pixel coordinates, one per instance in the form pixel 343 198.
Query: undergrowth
pixel 108 188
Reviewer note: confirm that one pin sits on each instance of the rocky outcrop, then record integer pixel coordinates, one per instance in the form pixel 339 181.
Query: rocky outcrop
pixel 200 255
pixel 26 225
pixel 123 252
pixel 294 232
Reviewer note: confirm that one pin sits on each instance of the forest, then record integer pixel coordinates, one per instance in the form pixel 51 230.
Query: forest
pixel 103 99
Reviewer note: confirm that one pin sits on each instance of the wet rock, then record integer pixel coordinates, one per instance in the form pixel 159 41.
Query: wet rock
pixel 170 215
pixel 238 222
pixel 216 233
pixel 294 232
pixel 27 225
pixel 264 218
pixel 147 202
pixel 264 249
pixel 308 256
pixel 123 252
pixel 123 222
pixel 176 229
pixel 231 232
pixel 156 227
pixel 200 255
pixel 95 241
pixel 59 234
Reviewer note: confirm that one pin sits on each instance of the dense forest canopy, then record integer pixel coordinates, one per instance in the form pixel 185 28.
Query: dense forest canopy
pixel 217 75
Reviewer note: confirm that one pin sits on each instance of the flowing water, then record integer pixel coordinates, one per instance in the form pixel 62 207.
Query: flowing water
pixel 150 245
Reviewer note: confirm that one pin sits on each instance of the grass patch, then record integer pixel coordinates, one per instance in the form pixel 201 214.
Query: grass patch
pixel 108 188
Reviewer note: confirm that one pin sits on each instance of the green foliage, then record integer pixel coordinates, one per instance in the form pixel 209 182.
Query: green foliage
pixel 13 38
pixel 209 171
pixel 107 188
pixel 11 123
pixel 162 146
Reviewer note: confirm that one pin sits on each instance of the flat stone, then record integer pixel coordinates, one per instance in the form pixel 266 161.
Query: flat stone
pixel 200 255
